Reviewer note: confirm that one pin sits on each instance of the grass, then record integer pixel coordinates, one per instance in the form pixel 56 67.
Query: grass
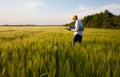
pixel 48 52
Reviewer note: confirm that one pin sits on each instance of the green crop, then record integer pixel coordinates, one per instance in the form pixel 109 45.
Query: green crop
pixel 47 51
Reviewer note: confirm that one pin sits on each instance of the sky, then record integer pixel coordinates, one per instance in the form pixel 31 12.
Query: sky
pixel 52 12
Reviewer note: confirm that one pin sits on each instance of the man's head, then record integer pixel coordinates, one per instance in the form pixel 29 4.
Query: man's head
pixel 74 18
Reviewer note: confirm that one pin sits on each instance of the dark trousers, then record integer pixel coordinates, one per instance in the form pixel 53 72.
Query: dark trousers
pixel 77 38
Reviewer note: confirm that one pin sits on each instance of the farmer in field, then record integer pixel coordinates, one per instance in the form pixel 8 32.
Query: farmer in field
pixel 78 30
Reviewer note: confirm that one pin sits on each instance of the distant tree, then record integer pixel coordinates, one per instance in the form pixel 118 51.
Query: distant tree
pixel 101 20
pixel 106 23
pixel 108 14
pixel 96 22
pixel 116 22
pixel 87 19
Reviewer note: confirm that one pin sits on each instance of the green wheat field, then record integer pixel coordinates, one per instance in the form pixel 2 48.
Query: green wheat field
pixel 47 51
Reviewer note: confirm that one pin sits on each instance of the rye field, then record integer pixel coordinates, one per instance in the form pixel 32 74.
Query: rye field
pixel 47 51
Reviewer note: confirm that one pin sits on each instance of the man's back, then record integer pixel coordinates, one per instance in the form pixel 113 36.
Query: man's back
pixel 79 27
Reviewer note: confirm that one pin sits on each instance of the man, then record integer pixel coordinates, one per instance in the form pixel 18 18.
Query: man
pixel 78 31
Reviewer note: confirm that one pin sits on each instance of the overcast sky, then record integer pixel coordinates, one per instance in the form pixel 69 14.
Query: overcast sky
pixel 52 12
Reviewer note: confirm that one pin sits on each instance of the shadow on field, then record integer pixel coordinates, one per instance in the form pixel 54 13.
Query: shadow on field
pixel 97 42
pixel 6 38
pixel 21 36
pixel 11 38
pixel 57 65
pixel 7 31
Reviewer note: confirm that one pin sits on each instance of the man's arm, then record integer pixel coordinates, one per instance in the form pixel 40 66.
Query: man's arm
pixel 76 27
pixel 68 29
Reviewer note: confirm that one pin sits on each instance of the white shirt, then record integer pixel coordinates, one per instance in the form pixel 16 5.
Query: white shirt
pixel 78 24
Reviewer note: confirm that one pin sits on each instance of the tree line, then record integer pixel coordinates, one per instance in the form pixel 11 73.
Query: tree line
pixel 104 19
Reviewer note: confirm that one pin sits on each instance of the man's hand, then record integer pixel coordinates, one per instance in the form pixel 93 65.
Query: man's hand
pixel 73 30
